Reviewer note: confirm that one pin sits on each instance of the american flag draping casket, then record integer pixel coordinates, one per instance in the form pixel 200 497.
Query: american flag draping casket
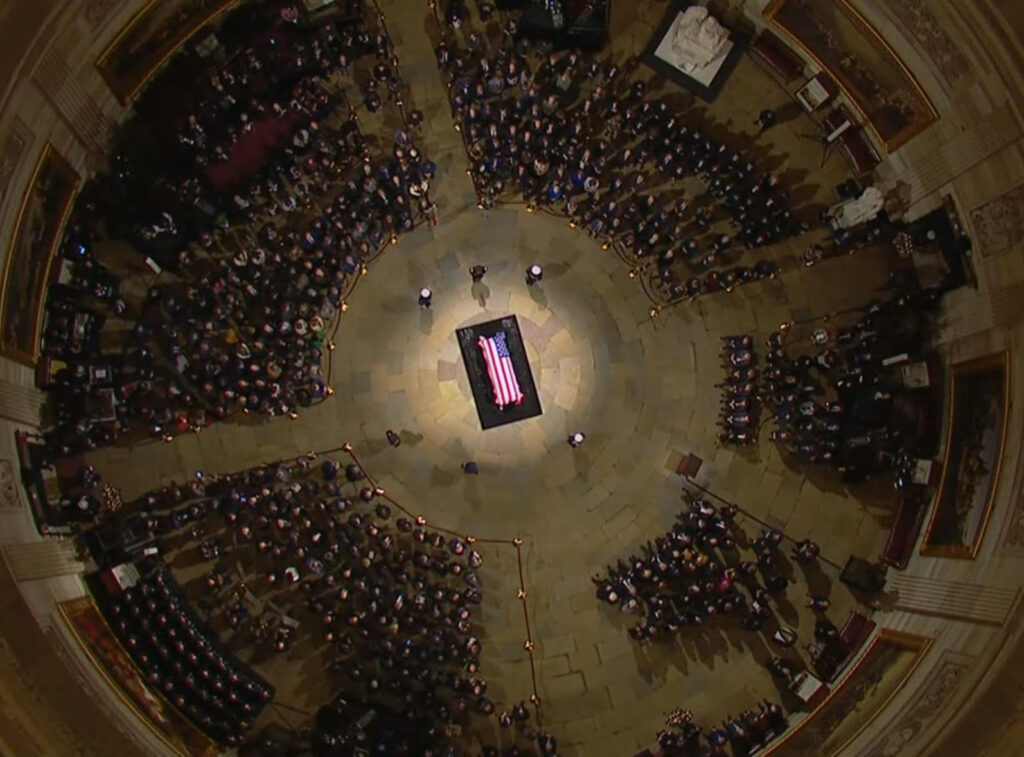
pixel 500 370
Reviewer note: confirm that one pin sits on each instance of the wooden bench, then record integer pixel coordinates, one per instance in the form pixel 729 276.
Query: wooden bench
pixel 855 631
pixel 861 154
pixel 774 55
pixel 904 531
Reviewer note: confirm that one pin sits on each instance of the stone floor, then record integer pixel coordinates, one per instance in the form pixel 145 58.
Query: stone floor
pixel 641 389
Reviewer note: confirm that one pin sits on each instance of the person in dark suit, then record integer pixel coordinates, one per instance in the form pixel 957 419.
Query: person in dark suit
pixel 765 120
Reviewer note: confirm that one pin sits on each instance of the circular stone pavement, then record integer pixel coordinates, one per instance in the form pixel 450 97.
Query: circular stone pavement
pixel 600 365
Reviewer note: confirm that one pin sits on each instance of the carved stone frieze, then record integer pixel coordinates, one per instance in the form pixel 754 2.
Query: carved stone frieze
pixel 9 499
pixel 999 224
pixel 12 150
pixel 96 12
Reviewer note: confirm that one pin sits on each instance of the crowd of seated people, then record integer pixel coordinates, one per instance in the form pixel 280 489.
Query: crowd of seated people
pixel 183 661
pixel 85 292
pixel 696 573
pixel 255 273
pixel 309 549
pixel 740 401
pixel 576 136
pixel 347 726
pixel 834 401
pixel 746 733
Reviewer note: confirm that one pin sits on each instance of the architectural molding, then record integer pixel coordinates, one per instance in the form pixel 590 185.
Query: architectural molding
pixel 931 698
pixel 926 173
pixel 31 561
pixel 21 404
pixel 998 224
pixel 56 82
pixel 10 499
pixel 96 12
pixel 924 28
pixel 956 600
pixel 12 150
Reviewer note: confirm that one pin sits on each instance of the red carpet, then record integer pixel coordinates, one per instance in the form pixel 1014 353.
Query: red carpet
pixel 252 150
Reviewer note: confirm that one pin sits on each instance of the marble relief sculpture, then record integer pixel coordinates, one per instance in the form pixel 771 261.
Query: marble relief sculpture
pixel 697 39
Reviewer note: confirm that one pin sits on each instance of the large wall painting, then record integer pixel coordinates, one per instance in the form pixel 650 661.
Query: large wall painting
pixel 150 38
pixel 976 429
pixel 37 231
pixel 873 77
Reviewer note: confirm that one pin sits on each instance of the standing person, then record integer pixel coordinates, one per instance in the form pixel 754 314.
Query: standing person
pixel 470 467
pixel 477 272
pixel 784 637
pixel 818 602
pixel 805 551
pixel 393 439
pixel 766 119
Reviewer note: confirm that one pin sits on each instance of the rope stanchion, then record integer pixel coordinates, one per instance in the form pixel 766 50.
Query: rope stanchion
pixel 528 645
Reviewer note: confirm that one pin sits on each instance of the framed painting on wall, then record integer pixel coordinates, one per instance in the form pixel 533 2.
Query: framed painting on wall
pixel 876 678
pixel 978 404
pixel 37 232
pixel 152 36
pixel 840 40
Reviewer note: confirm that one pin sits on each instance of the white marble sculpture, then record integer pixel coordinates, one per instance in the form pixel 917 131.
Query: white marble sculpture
pixel 858 210
pixel 697 38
